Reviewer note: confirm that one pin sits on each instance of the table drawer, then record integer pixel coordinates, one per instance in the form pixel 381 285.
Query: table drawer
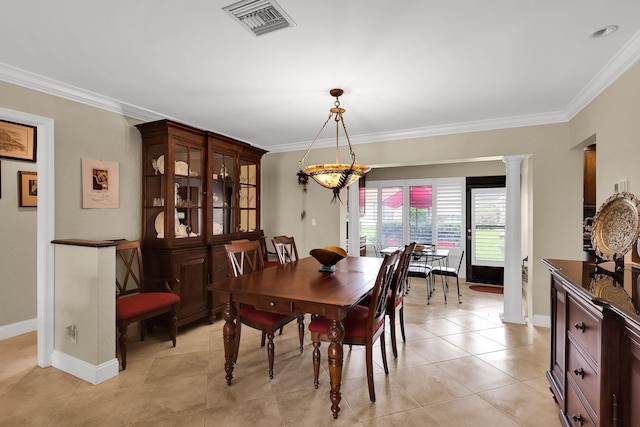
pixel 275 305
pixel 585 377
pixel 576 414
pixel 585 328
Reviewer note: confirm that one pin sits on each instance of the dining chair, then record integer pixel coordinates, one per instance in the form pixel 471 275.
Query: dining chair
pixel 362 325
pixel 419 267
pixel 445 272
pixel 246 257
pixel 285 249
pixel 139 299
pixel 397 294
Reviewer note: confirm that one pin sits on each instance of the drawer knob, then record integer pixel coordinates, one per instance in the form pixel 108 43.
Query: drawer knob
pixel 577 418
pixel 272 304
pixel 579 326
pixel 579 372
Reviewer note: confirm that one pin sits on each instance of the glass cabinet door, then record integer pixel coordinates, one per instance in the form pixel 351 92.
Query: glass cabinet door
pixel 188 192
pixel 154 192
pixel 248 196
pixel 223 194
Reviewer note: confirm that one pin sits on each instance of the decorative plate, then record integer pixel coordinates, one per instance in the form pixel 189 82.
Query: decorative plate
pixel 616 226
pixel 159 224
pixel 160 164
pixel 182 168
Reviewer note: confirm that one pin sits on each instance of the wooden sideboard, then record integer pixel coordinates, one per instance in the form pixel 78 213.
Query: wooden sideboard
pixel 594 371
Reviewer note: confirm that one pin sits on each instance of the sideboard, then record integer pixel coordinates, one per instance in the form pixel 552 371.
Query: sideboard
pixel 594 371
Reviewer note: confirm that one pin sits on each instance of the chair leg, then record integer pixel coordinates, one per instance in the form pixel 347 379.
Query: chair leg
pixel 369 356
pixel 383 349
pixel 458 288
pixel 392 325
pixel 173 329
pixel 271 350
pixel 237 343
pixel 122 340
pixel 263 340
pixel 316 363
pixel 301 331
pixel 401 313
pixel 281 329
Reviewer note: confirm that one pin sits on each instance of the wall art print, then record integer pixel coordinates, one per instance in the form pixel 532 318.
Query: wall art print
pixel 17 142
pixel 100 184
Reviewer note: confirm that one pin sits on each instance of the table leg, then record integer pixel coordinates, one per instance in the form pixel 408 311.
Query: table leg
pixel 335 356
pixel 229 336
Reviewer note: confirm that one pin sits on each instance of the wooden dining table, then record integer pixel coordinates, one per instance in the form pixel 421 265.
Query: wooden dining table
pixel 298 287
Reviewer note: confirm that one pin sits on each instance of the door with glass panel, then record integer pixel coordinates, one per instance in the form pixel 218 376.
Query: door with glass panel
pixel 486 220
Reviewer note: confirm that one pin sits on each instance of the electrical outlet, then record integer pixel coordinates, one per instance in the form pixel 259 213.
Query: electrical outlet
pixel 72 333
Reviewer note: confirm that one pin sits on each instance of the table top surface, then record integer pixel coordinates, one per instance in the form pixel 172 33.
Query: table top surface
pixel 301 281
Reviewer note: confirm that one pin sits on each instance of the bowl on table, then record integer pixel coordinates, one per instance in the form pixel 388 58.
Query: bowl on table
pixel 328 256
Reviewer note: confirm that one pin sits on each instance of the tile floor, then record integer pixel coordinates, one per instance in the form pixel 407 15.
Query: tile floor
pixel 460 366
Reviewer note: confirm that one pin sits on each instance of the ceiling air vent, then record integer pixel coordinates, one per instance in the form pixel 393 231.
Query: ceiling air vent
pixel 259 16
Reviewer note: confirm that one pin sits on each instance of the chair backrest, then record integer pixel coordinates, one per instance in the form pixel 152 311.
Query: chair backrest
pixel 380 293
pixel 399 285
pixel 244 257
pixel 285 249
pixel 129 270
pixel 460 263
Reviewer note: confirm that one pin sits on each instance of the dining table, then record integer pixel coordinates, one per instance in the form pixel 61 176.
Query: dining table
pixel 299 287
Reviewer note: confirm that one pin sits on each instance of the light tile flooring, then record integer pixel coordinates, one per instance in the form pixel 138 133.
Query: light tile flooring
pixel 460 366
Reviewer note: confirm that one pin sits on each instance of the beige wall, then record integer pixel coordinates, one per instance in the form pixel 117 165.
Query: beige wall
pixel 553 182
pixel 80 131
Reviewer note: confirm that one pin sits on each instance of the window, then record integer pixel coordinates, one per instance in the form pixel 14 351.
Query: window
pixel 399 212
pixel 488 221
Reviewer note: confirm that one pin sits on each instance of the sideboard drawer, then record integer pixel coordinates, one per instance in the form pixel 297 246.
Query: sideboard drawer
pixel 576 414
pixel 585 377
pixel 585 327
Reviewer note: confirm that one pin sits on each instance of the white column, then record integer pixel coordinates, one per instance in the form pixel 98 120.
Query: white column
pixel 354 219
pixel 512 273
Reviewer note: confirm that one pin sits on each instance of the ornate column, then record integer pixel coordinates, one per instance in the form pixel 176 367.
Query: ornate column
pixel 512 251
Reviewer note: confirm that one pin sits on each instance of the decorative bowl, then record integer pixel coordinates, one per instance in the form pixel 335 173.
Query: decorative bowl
pixel 328 257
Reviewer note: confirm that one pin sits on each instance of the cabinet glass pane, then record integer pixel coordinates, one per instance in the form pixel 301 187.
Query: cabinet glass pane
pixel 187 198
pixel 223 194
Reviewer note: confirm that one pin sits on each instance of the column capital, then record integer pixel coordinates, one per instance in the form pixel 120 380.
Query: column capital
pixel 514 158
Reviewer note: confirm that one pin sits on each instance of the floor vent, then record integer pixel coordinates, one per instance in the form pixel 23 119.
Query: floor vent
pixel 259 16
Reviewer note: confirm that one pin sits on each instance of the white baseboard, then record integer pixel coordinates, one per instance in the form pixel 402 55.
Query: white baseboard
pixel 543 321
pixel 19 328
pixel 94 374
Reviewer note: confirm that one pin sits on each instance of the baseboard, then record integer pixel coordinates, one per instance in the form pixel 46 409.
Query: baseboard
pixel 94 374
pixel 18 328
pixel 543 321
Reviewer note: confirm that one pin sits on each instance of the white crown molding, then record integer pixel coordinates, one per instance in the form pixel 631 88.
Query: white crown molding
pixel 40 83
pixel 617 66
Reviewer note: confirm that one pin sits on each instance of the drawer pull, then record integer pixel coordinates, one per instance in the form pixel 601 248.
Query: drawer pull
pixel 579 372
pixel 577 418
pixel 579 326
pixel 272 304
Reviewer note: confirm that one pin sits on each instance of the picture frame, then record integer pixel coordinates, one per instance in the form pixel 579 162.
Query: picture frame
pixel 28 189
pixel 100 184
pixel 17 141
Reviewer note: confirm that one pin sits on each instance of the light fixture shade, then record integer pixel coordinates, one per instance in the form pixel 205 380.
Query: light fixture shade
pixel 336 175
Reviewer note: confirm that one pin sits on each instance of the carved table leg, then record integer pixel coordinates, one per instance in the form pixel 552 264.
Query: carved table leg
pixel 336 334
pixel 229 336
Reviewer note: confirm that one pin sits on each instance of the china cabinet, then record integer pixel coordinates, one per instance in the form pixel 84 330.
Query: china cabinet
pixel 200 190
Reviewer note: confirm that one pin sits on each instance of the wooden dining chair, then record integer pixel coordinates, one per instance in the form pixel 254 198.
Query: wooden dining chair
pixel 137 299
pixel 246 257
pixel 362 325
pixel 285 248
pixel 446 272
pixel 397 293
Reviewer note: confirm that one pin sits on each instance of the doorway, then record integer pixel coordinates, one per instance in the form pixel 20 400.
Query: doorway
pixel 486 220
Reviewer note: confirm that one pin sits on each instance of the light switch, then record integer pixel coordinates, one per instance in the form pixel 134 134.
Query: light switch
pixel 313 222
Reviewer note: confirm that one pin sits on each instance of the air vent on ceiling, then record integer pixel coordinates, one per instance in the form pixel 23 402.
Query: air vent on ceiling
pixel 259 16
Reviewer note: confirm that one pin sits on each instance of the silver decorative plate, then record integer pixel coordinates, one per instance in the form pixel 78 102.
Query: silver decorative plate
pixel 616 226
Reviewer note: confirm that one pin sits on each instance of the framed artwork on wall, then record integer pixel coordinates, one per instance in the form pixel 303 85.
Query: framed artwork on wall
pixel 17 142
pixel 28 189
pixel 100 184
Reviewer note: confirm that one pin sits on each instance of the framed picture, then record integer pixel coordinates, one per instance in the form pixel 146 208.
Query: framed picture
pixel 28 189
pixel 100 182
pixel 17 141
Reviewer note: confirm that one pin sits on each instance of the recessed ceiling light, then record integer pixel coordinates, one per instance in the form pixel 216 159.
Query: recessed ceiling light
pixel 603 32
